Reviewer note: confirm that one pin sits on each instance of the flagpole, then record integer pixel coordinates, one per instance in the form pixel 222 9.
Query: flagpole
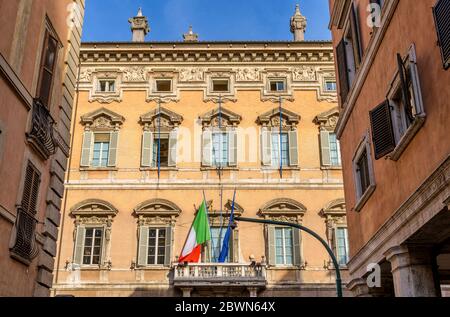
pixel 207 214
pixel 281 138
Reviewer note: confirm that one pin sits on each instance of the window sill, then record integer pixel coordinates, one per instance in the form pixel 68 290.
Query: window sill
pixel 331 168
pixel 284 267
pixel 19 258
pixel 285 168
pixel 99 169
pixel 407 138
pixel 363 200
pixel 152 268
pixel 204 169
pixel 155 169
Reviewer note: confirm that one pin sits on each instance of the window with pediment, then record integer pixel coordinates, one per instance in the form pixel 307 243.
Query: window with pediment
pixel 156 220
pixel 106 85
pixel 283 244
pixel 92 234
pixel 330 149
pixel 160 138
pixel 100 139
pixel 279 142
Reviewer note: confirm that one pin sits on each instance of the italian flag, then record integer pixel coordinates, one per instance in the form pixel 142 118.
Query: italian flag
pixel 200 233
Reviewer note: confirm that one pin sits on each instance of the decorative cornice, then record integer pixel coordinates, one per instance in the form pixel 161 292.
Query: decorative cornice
pixel 93 207
pixel 228 117
pixel 102 119
pixel 291 118
pixel 283 207
pixel 157 207
pixel 328 120
pixel 173 118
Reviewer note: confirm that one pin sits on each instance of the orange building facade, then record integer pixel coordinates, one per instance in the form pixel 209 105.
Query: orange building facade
pixel 39 50
pixel 392 62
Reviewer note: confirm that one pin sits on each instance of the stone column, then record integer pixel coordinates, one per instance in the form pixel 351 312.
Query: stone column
pixel 359 288
pixel 412 271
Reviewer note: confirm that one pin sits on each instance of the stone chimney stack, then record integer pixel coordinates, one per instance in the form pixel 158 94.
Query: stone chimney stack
pixel 139 27
pixel 298 25
pixel 190 36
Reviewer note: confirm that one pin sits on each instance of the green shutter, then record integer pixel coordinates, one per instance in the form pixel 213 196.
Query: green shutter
pixel 232 147
pixel 143 246
pixel 293 148
pixel 173 140
pixel 325 148
pixel 207 148
pixel 79 246
pixel 266 147
pixel 88 139
pixel 113 146
pixel 147 149
pixel 168 253
pixel 271 256
pixel 296 236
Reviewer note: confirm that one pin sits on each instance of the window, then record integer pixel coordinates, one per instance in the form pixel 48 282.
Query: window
pixel 284 246
pixel 276 152
pixel 220 149
pixel 362 169
pixel 101 150
pixel 106 86
pixel 163 150
pixel 342 250
pixel 93 241
pixel 363 174
pixel 335 150
pixel 277 85
pixel 47 69
pixel 442 20
pixel 220 85
pixel 217 236
pixel 330 86
pixel 163 85
pixel 156 246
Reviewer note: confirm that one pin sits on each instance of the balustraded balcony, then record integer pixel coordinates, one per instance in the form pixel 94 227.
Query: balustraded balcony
pixel 41 135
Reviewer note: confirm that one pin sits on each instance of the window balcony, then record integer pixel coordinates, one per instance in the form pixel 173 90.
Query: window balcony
pixel 41 136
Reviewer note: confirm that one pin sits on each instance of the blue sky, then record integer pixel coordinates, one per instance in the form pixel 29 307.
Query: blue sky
pixel 107 20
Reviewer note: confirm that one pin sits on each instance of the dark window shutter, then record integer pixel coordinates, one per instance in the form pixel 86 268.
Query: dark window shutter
pixel 341 56
pixel 47 68
pixel 382 130
pixel 442 19
pixel 31 189
pixel 357 50
pixel 404 82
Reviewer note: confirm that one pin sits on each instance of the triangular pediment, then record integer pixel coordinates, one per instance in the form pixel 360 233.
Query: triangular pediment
pixel 107 114
pixel 328 118
pixel 290 118
pixel 227 117
pixel 169 116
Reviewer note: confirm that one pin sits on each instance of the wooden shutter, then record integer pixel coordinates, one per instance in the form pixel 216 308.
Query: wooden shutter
pixel 79 246
pixel 232 147
pixel 143 246
pixel 357 50
pixel 271 252
pixel 442 19
pixel 344 85
pixel 113 148
pixel 404 83
pixel 207 148
pixel 325 148
pixel 88 140
pixel 173 141
pixel 293 148
pixel 47 69
pixel 168 253
pixel 382 130
pixel 266 147
pixel 296 239
pixel 30 194
pixel 147 149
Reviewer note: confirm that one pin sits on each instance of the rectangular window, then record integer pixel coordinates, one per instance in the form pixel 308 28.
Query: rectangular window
pixel 284 246
pixel 221 85
pixel 277 85
pixel 163 85
pixel 93 241
pixel 330 86
pixel 362 170
pixel 47 69
pixel 106 86
pixel 100 155
pixel 217 236
pixel 335 150
pixel 276 152
pixel 220 149
pixel 164 150
pixel 156 246
pixel 342 251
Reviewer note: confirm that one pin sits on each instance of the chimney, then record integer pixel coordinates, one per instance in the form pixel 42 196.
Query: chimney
pixel 298 25
pixel 139 27
pixel 190 36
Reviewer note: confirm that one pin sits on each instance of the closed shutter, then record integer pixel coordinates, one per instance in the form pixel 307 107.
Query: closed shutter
pixel 266 147
pixel 147 149
pixel 46 76
pixel 143 246
pixel 232 147
pixel 168 253
pixel 341 55
pixel 31 189
pixel 296 236
pixel 382 131
pixel 293 148
pixel 88 140
pixel 207 148
pixel 357 50
pixel 442 19
pixel 79 246
pixel 113 147
pixel 404 82
pixel 173 141
pixel 325 148
pixel 271 247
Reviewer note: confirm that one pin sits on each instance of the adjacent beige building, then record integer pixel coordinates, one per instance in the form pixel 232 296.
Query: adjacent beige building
pixel 212 112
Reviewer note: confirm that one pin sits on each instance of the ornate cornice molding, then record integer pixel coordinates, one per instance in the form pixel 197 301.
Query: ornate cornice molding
pixel 283 209
pixel 92 208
